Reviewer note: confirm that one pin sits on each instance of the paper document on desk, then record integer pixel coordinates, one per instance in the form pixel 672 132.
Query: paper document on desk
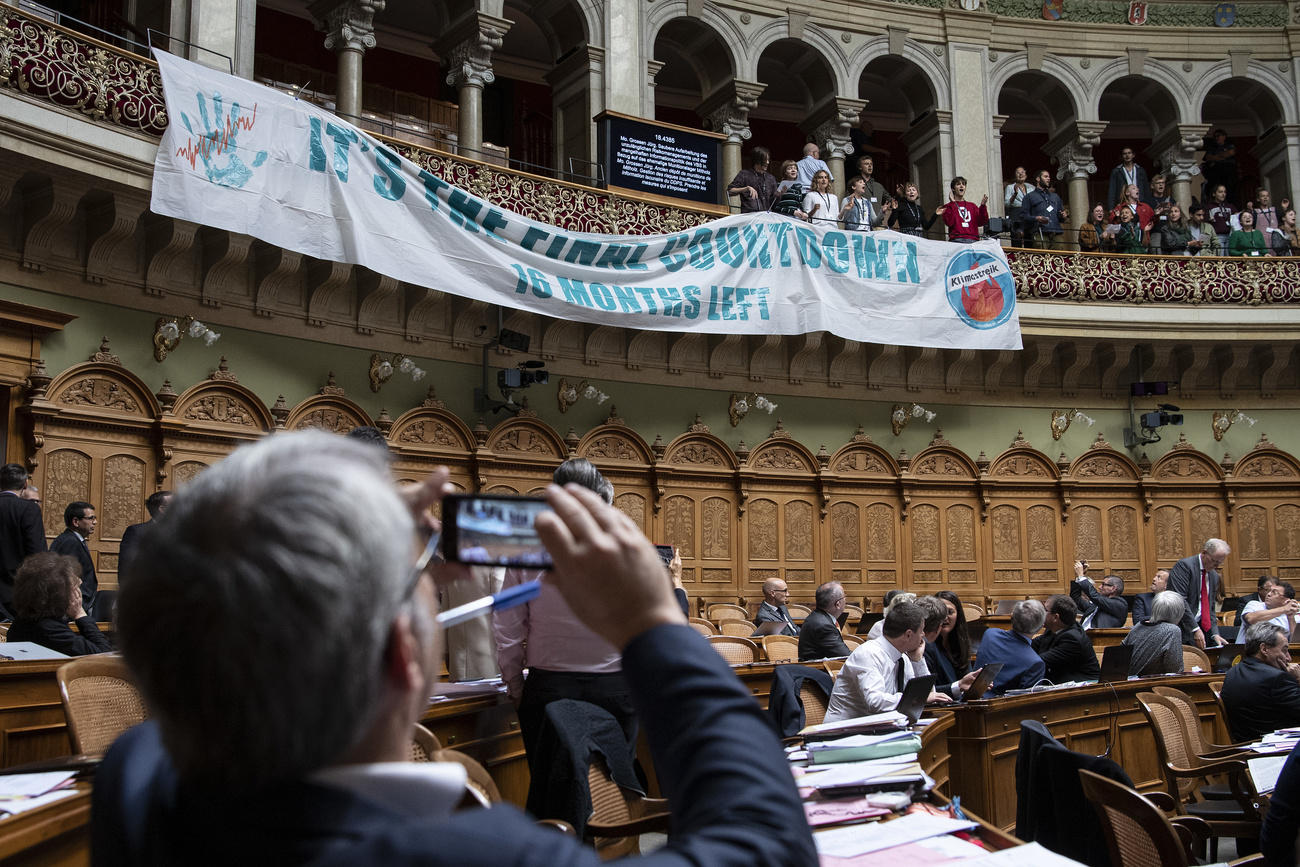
pixel 859 840
pixel 30 785
pixel 888 721
pixel 11 808
pixel 861 747
pixel 945 849
pixel 1028 855
pixel 1264 772
pixel 852 773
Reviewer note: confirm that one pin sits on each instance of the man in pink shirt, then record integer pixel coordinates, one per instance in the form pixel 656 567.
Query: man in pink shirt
pixel 564 658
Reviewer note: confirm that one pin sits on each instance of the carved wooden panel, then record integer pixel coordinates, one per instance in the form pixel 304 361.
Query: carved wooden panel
pixel 679 524
pixel 1087 533
pixel 1122 532
pixel 1204 524
pixel 961 534
pixel 1041 523
pixel 846 541
pixel 762 530
pixel 67 480
pixel 781 456
pixel 882 531
pixel 187 471
pixel 634 506
pixel 430 432
pixel 798 530
pixel 527 437
pixel 716 525
pixel 1171 541
pixel 698 454
pixel 925 533
pixel 124 494
pixel 1252 542
pixel 328 412
pixel 1287 519
pixel 1005 524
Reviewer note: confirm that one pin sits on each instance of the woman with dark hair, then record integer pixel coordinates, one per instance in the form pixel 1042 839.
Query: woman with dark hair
pixel 47 594
pixel 954 637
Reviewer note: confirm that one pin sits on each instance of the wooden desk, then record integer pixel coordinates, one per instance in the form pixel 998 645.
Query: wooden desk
pixel 32 724
pixel 986 736
pixel 56 835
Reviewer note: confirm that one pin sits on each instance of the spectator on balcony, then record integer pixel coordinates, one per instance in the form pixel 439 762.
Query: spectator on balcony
pixel 910 216
pixel 789 193
pixel 1266 216
pixel 811 164
pixel 1092 229
pixel 1040 213
pixel 1130 237
pixel 1203 241
pixel 1131 201
pixel 1248 241
pixel 1013 198
pixel 859 212
pixel 1220 213
pixel 1175 235
pixel 756 188
pixel 1291 231
pixel 874 189
pixel 1220 164
pixel 1160 203
pixel 1125 174
pixel 820 204
pixel 960 216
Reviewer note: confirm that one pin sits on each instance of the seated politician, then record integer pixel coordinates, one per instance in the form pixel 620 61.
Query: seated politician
pixel 874 675
pixel 1141 609
pixel 1021 666
pixel 1158 641
pixel 1099 608
pixel 820 637
pixel 773 607
pixel 280 735
pixel 1262 692
pixel 47 594
pixel 939 613
pixel 1064 646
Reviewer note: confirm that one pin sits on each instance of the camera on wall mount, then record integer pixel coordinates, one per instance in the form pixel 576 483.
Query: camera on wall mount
pixel 1144 429
pixel 509 380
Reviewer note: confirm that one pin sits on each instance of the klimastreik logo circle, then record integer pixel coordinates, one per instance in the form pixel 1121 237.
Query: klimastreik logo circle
pixel 980 289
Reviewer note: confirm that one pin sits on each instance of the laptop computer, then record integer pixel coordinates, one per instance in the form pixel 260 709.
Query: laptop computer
pixel 982 682
pixel 1005 606
pixel 1115 662
pixel 915 692
pixel 869 619
pixel 1227 654
pixel 770 627
pixel 23 650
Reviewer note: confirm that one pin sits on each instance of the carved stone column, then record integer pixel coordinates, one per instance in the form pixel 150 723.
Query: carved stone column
pixel 727 111
pixel 930 151
pixel 830 124
pixel 1072 148
pixel 467 49
pixel 997 205
pixel 349 31
pixel 1176 150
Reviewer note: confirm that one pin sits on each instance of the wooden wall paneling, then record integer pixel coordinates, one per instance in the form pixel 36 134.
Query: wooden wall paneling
pixel 779 536
pixel 942 536
pixel 1021 488
pixel 1107 515
pixel 93 439
pixel 627 460
pixel 1263 493
pixel 208 421
pixel 519 455
pixel 22 328
pixel 429 436
pixel 1188 505
pixel 861 545
pixel 328 409
pixel 702 512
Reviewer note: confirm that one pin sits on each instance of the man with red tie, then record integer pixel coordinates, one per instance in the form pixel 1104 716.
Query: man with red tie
pixel 1196 579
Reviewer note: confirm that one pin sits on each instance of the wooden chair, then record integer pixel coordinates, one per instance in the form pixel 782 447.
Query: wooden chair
pixel 814 703
pixel 855 614
pixel 424 744
pixel 833 667
pixel 1195 657
pixel 1183 770
pixel 973 611
pixel 99 700
pixel 1196 742
pixel 781 648
pixel 741 628
pixel 719 611
pixel 798 612
pixel 1216 689
pixel 734 649
pixel 619 817
pixel 854 641
pixel 702 626
pixel 1137 832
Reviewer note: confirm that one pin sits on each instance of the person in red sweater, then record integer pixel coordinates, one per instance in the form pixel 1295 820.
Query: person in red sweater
pixel 961 217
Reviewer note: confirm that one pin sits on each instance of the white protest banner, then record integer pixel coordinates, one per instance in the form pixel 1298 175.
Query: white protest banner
pixel 246 158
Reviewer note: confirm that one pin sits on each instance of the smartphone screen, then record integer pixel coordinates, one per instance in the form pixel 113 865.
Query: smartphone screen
pixel 665 553
pixel 493 530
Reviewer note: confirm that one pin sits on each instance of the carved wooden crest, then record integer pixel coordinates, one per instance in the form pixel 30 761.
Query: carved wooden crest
pixel 1186 464
pixel 943 461
pixel 614 442
pixel 97 387
pixel 431 427
pixel 1266 461
pixel 328 412
pixel 222 402
pixel 1022 461
pixel 783 453
pixel 527 436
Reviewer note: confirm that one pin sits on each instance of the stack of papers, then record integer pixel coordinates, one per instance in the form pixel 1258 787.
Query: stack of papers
pixel 22 792
pixel 876 723
pixel 864 747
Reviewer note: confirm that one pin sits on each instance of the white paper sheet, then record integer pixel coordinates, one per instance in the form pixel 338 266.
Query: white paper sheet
pixel 860 839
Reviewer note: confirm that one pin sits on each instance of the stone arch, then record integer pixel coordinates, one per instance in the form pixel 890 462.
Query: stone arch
pixel 900 95
pixel 697 61
pixel 815 38
pixel 1263 89
pixel 1012 66
pixel 1178 110
pixel 915 53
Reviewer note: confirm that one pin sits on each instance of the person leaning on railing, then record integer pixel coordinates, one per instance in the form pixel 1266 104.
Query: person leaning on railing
pixel 1248 241
pixel 1204 241
pixel 1131 237
pixel 1291 231
pixel 1092 237
pixel 1175 235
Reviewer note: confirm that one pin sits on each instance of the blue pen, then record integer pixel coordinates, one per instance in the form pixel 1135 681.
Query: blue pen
pixel 508 598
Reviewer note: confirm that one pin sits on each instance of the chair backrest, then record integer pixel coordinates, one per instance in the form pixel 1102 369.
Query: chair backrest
pixel 734 649
pixel 1216 689
pixel 1137 833
pixel 477 779
pixel 1171 742
pixel 1186 708
pixel 833 667
pixel 814 703
pixel 719 611
pixel 973 611
pixel 855 614
pixel 742 628
pixel 853 641
pixel 1195 657
pixel 99 700
pixel 781 648
pixel 797 611
pixel 424 744
pixel 702 626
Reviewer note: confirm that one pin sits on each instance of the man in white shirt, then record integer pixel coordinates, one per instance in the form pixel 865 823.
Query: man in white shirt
pixel 874 675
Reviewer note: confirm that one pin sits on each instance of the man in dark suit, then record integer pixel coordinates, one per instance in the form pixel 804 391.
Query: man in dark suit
pixel 820 636
pixel 156 504
pixel 1104 608
pixel 1262 692
pixel 238 780
pixel 1064 647
pixel 80 520
pixel 21 531
pixel 1143 601
pixel 773 610
pixel 1196 579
